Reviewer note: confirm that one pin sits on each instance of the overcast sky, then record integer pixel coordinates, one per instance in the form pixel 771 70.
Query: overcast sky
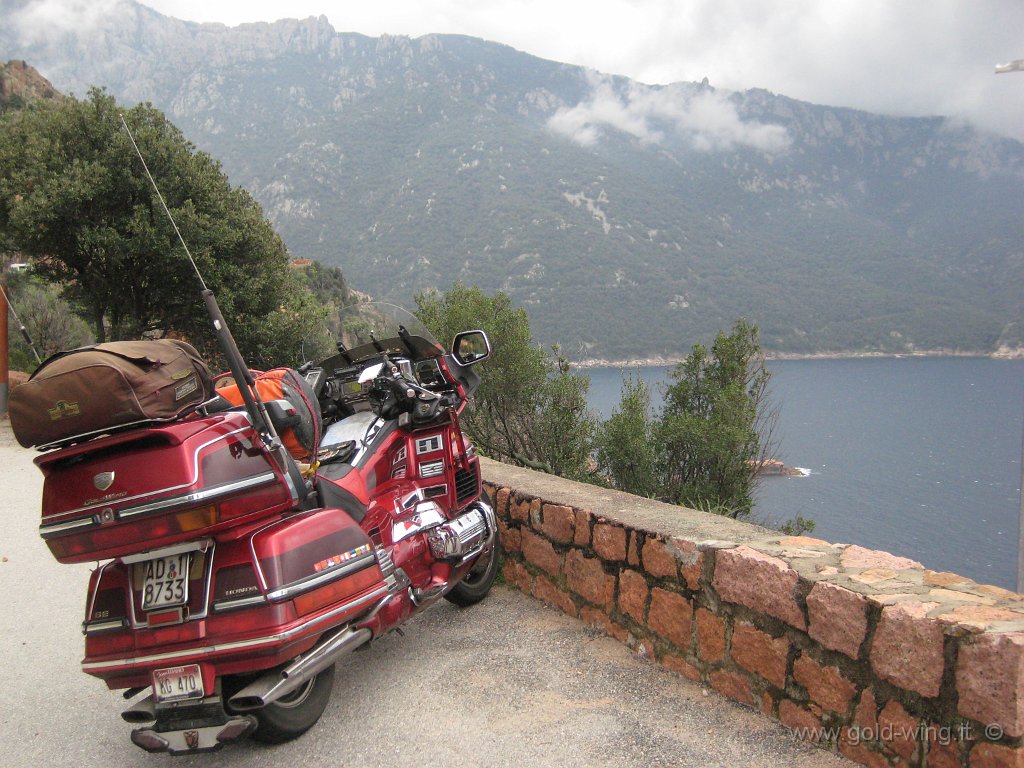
pixel 903 57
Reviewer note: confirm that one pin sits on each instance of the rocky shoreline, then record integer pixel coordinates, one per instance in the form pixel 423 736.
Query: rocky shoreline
pixel 1003 353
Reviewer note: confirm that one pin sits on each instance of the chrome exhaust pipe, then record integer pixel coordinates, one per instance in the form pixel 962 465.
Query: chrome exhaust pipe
pixel 142 711
pixel 278 683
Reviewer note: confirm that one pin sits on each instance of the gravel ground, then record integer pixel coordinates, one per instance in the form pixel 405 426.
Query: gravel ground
pixel 509 682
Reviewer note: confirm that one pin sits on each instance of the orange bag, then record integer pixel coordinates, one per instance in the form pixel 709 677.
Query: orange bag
pixel 302 440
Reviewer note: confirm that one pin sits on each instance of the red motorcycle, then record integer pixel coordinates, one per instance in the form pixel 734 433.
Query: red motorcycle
pixel 235 571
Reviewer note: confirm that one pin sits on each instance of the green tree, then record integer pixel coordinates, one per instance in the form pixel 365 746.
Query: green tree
pixel 530 409
pixel 627 451
pixel 705 447
pixel 49 321
pixel 330 291
pixel 716 425
pixel 73 195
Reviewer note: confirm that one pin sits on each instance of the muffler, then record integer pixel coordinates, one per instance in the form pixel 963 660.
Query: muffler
pixel 142 711
pixel 280 682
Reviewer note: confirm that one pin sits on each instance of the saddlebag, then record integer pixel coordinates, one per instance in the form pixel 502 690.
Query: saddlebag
pixel 94 390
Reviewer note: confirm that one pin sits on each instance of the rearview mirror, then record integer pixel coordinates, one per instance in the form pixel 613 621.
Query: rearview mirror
pixel 471 347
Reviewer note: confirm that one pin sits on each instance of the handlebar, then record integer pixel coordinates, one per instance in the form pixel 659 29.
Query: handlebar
pixel 396 395
pixel 392 391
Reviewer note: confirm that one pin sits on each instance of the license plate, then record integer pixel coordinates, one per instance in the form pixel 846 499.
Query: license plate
pixel 178 683
pixel 165 581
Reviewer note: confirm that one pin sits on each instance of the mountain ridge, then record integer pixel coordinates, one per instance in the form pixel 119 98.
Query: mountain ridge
pixel 630 220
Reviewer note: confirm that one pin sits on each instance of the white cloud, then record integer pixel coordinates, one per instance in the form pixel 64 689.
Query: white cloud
pixel 911 57
pixel 705 118
pixel 39 20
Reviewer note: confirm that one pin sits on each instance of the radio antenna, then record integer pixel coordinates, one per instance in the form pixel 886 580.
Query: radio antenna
pixel 254 404
pixel 21 325
pixel 164 204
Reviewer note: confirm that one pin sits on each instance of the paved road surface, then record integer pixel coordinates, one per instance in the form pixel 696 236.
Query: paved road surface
pixel 509 682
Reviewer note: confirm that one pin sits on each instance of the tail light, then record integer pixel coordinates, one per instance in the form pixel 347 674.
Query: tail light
pixel 98 537
pixel 89 542
pixel 107 611
pixel 236 586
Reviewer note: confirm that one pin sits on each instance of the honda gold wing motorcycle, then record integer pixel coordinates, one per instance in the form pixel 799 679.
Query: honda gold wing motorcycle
pixel 248 536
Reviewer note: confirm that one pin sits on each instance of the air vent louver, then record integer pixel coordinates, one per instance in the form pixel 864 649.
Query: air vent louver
pixel 466 483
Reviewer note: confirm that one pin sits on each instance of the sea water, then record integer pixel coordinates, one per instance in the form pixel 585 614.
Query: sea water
pixel 919 456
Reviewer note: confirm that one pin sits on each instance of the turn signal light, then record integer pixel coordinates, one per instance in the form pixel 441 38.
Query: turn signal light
pixel 345 586
pixel 260 500
pixel 102 541
pixel 195 519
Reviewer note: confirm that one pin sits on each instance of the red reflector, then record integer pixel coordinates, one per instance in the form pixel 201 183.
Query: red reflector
pixel 105 643
pixel 160 618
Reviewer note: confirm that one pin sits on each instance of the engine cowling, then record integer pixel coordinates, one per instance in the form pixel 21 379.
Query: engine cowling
pixel 462 537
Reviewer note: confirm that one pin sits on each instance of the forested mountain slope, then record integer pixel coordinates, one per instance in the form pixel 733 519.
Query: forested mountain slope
pixel 630 220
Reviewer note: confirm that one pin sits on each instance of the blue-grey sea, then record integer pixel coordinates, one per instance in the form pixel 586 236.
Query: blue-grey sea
pixel 919 456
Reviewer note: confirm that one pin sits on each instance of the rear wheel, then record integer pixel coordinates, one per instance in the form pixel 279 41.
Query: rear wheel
pixel 477 583
pixel 293 715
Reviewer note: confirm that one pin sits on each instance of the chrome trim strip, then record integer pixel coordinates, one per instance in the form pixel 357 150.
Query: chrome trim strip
pixel 104 626
pixel 184 501
pixel 88 522
pixel 200 545
pixel 435 492
pixel 311 582
pixel 431 468
pixel 222 606
pixel 260 578
pixel 195 479
pixel 90 601
pixel 210 650
pixel 207 494
pixel 427 444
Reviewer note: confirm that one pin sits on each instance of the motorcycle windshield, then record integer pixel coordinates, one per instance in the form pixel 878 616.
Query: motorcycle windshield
pixel 369 329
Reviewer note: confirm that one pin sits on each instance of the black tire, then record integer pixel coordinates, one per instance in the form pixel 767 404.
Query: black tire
pixel 477 583
pixel 296 713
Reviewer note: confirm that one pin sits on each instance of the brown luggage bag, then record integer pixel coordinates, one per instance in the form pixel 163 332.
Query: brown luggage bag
pixel 89 391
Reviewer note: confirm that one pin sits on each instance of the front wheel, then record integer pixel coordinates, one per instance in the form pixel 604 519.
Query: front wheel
pixel 293 715
pixel 477 583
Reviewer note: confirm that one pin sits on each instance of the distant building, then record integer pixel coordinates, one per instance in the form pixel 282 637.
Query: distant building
pixel 300 263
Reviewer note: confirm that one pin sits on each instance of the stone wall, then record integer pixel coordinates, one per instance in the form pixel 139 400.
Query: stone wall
pixel 859 651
